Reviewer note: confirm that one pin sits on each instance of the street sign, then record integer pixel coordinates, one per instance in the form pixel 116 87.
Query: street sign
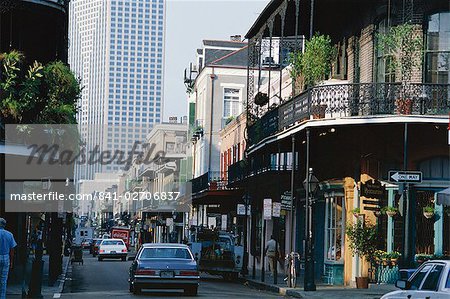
pixel 276 209
pixel 286 201
pixel 241 209
pixel 224 222
pixel 399 176
pixel 267 208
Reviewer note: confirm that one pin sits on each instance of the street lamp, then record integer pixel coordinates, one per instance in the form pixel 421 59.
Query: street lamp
pixel 247 200
pixel 311 183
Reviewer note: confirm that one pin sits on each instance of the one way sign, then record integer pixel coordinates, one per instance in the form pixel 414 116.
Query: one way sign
pixel 399 176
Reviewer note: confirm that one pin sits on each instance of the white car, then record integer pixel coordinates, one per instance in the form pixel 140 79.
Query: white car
pixel 431 280
pixel 112 248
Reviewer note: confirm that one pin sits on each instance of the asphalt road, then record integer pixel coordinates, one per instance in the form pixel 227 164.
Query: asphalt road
pixel 108 278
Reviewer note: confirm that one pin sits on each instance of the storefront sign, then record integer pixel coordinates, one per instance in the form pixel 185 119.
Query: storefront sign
pixel 267 208
pixel 241 209
pixel 276 209
pixel 373 189
pixel 286 201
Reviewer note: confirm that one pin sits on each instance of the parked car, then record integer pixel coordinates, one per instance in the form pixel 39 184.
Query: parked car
pixel 95 247
pixel 86 243
pixel 164 266
pixel 112 248
pixel 430 280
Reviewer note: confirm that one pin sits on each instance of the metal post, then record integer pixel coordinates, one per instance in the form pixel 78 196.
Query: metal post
pixel 263 241
pixel 407 250
pixel 245 261
pixel 291 238
pixel 309 284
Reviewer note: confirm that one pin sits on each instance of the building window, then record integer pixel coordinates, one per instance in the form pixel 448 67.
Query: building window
pixel 437 53
pixel 334 228
pixel 384 73
pixel 231 102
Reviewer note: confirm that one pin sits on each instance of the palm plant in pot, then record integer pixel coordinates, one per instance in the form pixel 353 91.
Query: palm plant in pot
pixel 363 239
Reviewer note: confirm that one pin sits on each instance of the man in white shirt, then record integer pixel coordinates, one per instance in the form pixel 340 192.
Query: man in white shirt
pixel 272 251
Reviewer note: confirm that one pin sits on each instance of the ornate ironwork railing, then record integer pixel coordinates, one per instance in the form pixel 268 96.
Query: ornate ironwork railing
pixel 354 100
pixel 213 180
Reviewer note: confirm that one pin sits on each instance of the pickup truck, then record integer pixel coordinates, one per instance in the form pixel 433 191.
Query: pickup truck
pixel 216 253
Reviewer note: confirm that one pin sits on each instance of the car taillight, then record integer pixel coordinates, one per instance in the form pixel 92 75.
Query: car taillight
pixel 188 273
pixel 124 250
pixel 145 272
pixel 101 250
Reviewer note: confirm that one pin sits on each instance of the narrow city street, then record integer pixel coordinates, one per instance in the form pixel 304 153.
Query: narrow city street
pixel 108 278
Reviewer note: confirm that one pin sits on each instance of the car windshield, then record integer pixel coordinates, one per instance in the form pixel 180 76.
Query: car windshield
pixel 165 253
pixel 417 279
pixel 112 243
pixel 447 284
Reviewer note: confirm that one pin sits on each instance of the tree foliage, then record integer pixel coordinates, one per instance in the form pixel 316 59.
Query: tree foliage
pixel 36 93
pixel 404 46
pixel 314 64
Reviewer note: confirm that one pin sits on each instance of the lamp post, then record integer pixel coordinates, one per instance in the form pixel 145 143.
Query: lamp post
pixel 246 199
pixel 310 184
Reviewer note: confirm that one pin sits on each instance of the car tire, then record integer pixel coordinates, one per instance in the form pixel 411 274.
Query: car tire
pixel 191 291
pixel 100 259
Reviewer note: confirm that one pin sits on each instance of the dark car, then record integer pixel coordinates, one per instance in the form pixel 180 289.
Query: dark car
pixel 164 266
pixel 95 247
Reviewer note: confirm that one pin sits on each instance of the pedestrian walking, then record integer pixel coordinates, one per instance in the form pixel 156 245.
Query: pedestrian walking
pixel 272 251
pixel 7 244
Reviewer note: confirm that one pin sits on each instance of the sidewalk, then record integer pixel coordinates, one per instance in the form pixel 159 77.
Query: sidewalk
pixel 15 289
pixel 323 290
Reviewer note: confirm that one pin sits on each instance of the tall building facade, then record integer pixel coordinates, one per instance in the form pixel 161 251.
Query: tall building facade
pixel 117 49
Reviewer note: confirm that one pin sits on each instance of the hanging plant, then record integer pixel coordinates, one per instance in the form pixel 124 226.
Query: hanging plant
pixel 261 99
pixel 356 212
pixel 428 212
pixel 390 211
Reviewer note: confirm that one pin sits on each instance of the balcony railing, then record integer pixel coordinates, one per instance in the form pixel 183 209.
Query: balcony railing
pixel 242 169
pixel 349 100
pixel 209 181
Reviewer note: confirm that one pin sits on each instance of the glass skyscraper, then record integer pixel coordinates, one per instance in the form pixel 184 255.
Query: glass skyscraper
pixel 116 47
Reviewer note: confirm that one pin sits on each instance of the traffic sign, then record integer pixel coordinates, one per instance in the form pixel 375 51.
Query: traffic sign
pixel 267 208
pixel 399 176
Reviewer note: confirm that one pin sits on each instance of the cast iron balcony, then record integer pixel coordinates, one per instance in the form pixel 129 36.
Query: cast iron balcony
pixel 209 181
pixel 354 100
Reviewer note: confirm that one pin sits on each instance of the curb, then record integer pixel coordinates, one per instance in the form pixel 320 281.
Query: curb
pixel 62 280
pixel 271 288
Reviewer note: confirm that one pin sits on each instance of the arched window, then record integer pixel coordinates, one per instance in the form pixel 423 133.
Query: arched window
pixel 437 50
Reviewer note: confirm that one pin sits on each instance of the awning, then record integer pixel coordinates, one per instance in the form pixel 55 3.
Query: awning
pixel 443 197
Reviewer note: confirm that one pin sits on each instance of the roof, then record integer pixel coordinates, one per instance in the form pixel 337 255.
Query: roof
pixel 223 43
pixel 236 58
pixel 148 245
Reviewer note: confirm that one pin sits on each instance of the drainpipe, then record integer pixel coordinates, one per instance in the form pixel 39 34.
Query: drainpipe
pixel 212 76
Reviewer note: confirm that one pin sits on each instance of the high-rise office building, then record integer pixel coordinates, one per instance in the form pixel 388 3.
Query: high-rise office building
pixel 116 47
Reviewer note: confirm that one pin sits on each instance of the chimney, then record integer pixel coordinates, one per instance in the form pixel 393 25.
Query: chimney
pixel 236 38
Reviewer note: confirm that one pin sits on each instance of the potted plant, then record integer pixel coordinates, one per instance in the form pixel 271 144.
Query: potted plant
pixel 390 211
pixel 313 65
pixel 403 47
pixel 422 257
pixel 356 212
pixel 363 240
pixel 394 256
pixel 378 256
pixel 377 213
pixel 428 212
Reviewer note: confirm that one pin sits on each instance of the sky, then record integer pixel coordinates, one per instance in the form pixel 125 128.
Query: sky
pixel 187 24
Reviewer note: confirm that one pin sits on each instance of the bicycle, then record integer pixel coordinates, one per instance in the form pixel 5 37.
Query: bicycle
pixel 291 278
